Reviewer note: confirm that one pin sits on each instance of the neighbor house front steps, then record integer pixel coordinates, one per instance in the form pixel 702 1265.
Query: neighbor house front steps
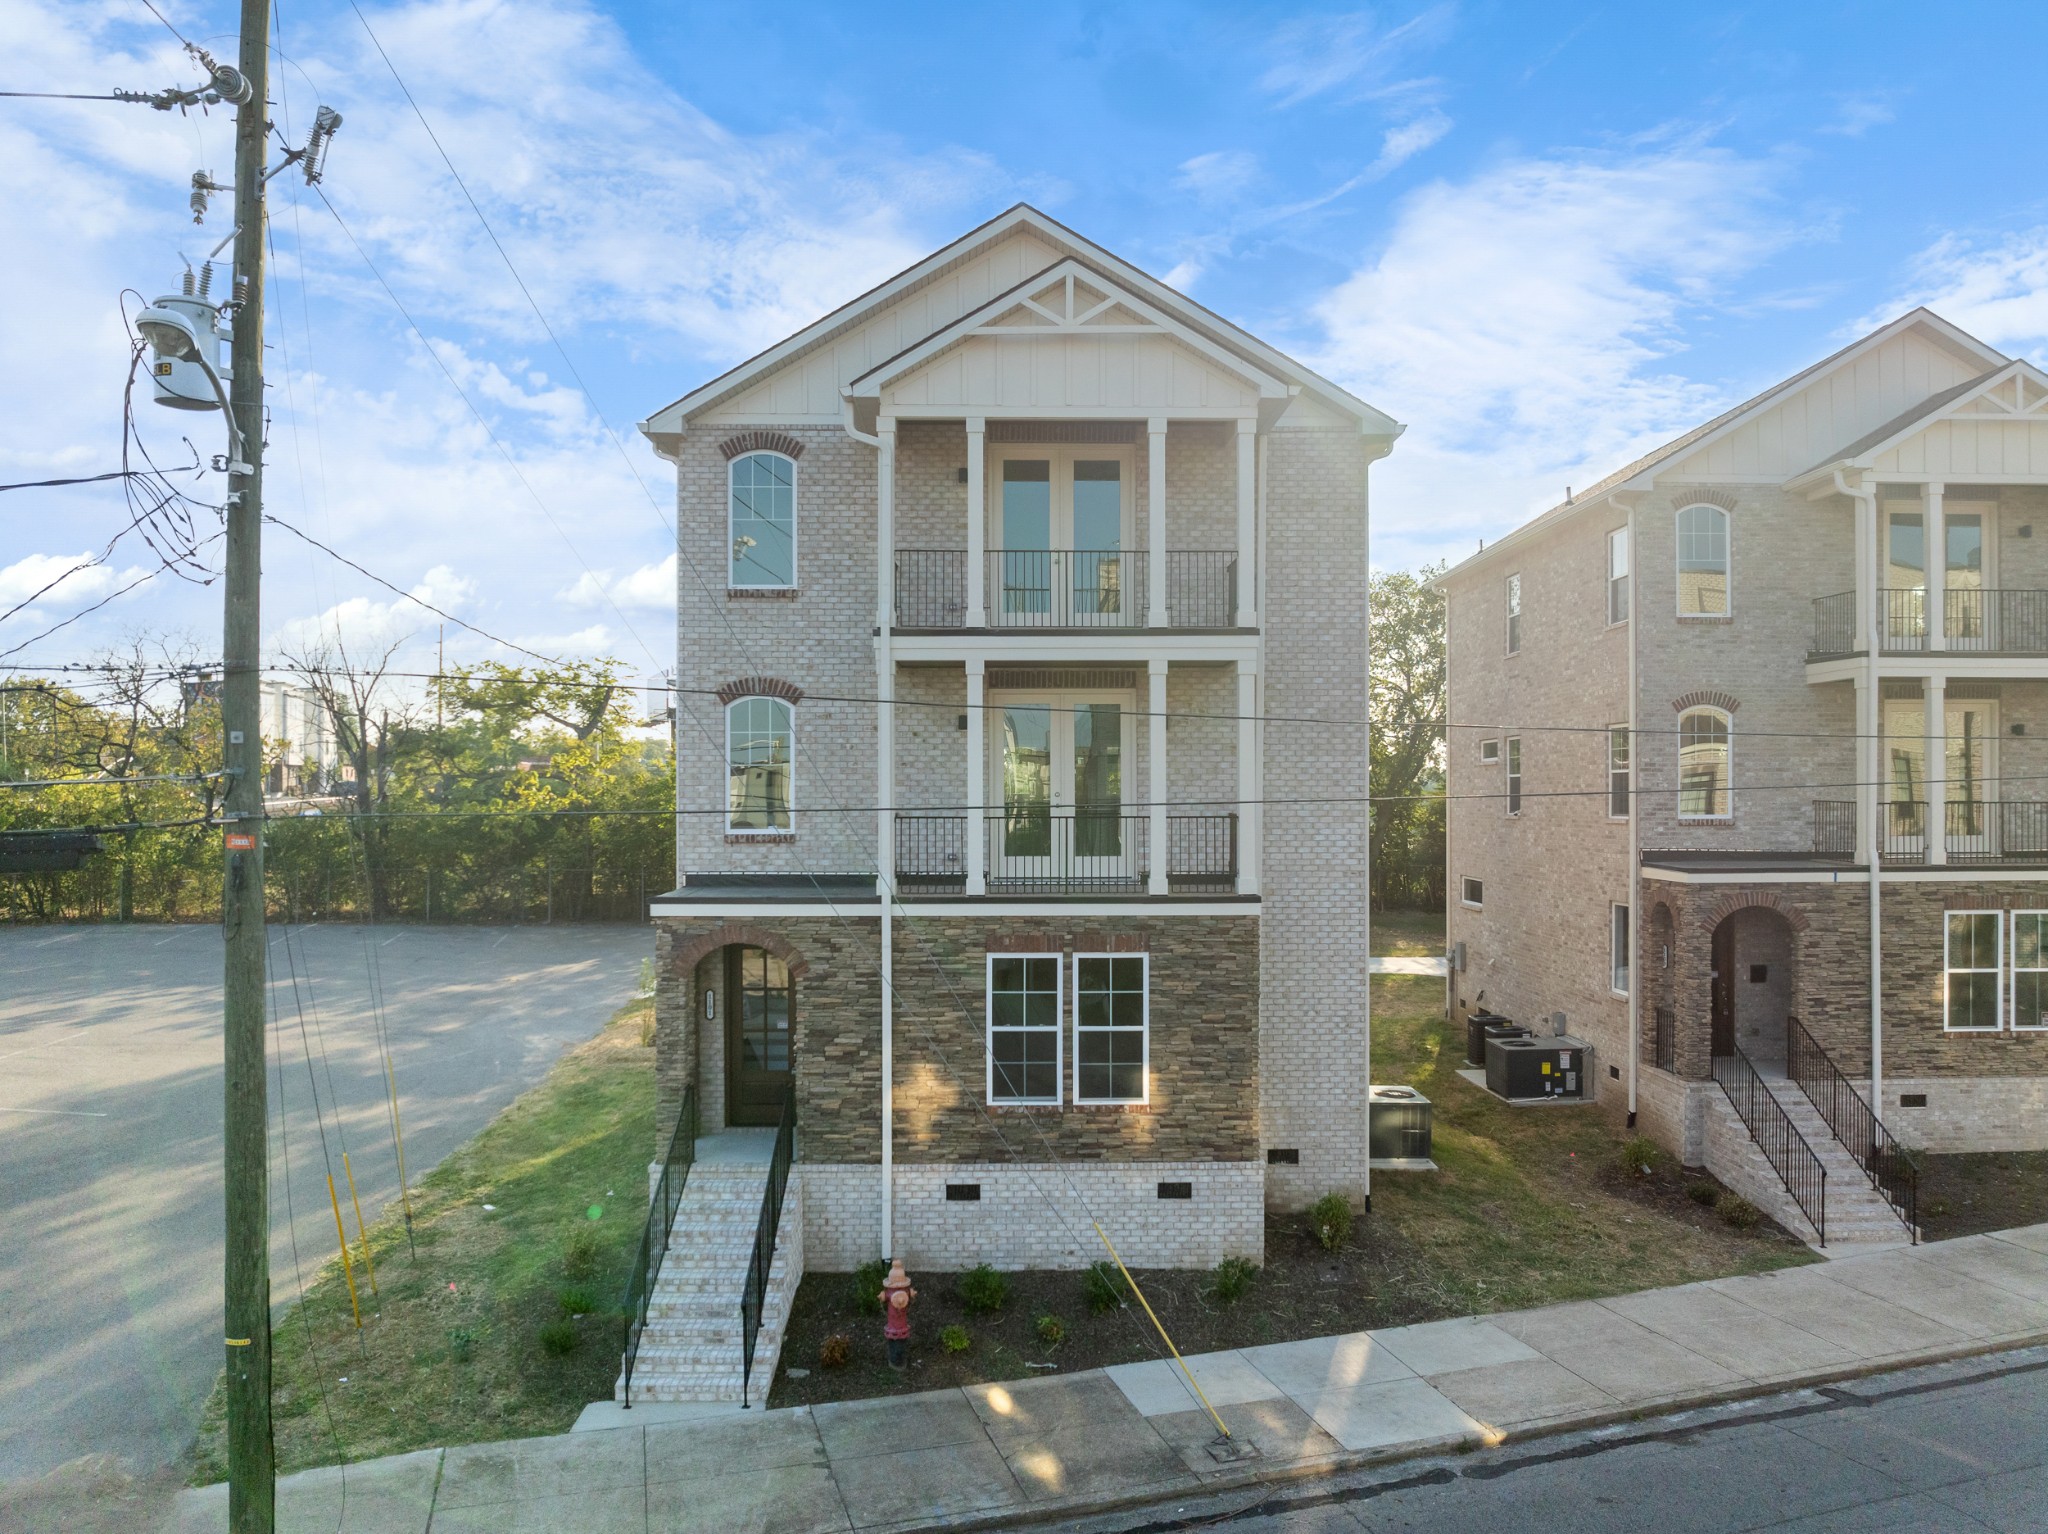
pixel 1858 1216
pixel 690 1349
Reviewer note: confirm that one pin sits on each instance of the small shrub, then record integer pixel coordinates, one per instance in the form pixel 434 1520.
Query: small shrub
pixel 1639 1156
pixel 580 1256
pixel 558 1338
pixel 1935 1208
pixel 646 977
pixel 576 1302
pixel 983 1290
pixel 834 1351
pixel 1232 1280
pixel 1330 1218
pixel 1052 1331
pixel 954 1339
pixel 1104 1287
pixel 867 1287
pixel 1702 1193
pixel 462 1343
pixel 647 1025
pixel 1738 1212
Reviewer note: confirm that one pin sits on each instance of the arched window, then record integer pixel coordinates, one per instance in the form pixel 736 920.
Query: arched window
pixel 1702 562
pixel 760 744
pixel 1703 757
pixel 762 520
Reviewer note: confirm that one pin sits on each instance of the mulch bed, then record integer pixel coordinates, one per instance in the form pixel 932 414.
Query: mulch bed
pixel 1964 1195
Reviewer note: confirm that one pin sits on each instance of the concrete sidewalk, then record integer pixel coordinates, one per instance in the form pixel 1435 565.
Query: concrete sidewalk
pixel 1134 1433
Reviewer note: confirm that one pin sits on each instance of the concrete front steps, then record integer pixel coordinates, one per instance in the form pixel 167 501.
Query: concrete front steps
pixel 1858 1216
pixel 690 1348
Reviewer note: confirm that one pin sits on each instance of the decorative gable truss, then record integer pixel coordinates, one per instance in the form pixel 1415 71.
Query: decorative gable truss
pixel 2023 395
pixel 1071 341
pixel 1995 429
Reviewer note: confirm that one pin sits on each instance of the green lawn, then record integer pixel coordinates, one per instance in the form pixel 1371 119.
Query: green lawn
pixel 450 1348
pixel 1417 934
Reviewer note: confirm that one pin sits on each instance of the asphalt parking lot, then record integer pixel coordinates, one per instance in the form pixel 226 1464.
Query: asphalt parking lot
pixel 110 1124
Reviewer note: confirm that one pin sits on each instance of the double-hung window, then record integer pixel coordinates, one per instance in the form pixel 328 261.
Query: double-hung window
pixel 1514 745
pixel 760 745
pixel 1617 576
pixel 1024 1028
pixel 1703 765
pixel 761 521
pixel 1618 951
pixel 1617 772
pixel 1110 1028
pixel 1702 562
pixel 2029 971
pixel 1971 962
pixel 1515 614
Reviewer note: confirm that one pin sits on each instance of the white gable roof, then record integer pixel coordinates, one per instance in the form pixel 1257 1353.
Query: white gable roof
pixel 801 378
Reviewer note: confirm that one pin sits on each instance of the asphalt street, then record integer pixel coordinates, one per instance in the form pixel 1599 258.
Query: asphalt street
pixel 1940 1450
pixel 110 1135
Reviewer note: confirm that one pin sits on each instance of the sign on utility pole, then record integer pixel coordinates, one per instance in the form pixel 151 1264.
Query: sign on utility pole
pixel 252 1467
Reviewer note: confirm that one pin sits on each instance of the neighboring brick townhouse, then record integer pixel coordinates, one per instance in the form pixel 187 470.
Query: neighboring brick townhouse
pixel 1073 925
pixel 1753 721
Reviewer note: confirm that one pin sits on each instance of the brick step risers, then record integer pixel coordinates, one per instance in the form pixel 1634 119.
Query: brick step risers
pixel 1857 1212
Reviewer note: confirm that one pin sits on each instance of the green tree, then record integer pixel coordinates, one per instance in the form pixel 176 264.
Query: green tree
pixel 1408 703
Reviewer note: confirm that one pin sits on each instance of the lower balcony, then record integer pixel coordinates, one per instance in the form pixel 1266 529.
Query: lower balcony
pixel 1977 831
pixel 1065 852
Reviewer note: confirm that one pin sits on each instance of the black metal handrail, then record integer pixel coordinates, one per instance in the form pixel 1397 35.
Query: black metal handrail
pixel 1798 1168
pixel 1996 831
pixel 1201 854
pixel 754 1297
pixel 1904 616
pixel 661 1214
pixel 1834 624
pixel 1905 830
pixel 1664 1039
pixel 1079 851
pixel 931 854
pixel 1834 828
pixel 1855 1123
pixel 931 589
pixel 1201 588
pixel 1065 588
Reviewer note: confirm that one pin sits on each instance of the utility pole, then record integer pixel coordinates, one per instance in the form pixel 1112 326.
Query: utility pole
pixel 252 1469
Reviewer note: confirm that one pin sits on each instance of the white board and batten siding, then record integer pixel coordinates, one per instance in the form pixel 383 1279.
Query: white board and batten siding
pixel 1136 374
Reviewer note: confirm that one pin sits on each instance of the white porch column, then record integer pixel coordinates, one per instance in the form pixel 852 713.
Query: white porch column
pixel 975 839
pixel 885 798
pixel 1937 569
pixel 1936 773
pixel 1155 762
pixel 1155 523
pixel 1247 524
pixel 1869 840
pixel 1251 781
pixel 1866 573
pixel 976 615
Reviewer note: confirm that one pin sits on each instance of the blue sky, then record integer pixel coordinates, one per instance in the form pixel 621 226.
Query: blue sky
pixel 1545 236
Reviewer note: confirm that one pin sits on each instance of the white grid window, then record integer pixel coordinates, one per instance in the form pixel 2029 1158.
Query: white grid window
pixel 1514 614
pixel 1514 744
pixel 1617 576
pixel 1703 562
pixel 1112 1000
pixel 1971 960
pixel 762 521
pixel 1618 951
pixel 1489 751
pixel 1024 1028
pixel 760 745
pixel 2029 971
pixel 1704 755
pixel 1617 772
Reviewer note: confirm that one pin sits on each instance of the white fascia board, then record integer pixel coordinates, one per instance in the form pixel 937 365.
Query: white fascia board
pixel 1007 647
pixel 1925 665
pixel 976 323
pixel 870 908
pixel 1856 876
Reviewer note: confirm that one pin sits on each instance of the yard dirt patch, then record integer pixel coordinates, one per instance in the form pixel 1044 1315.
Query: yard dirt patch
pixel 1965 1195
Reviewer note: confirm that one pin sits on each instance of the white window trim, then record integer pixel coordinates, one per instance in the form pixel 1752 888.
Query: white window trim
pixel 730 828
pixel 1145 1041
pixel 1489 752
pixel 1627 573
pixel 1728 723
pixel 1511 772
pixel 1627 771
pixel 1059 1031
pixel 2013 972
pixel 1997 969
pixel 1727 574
pixel 1511 592
pixel 1620 958
pixel 1465 883
pixel 732 582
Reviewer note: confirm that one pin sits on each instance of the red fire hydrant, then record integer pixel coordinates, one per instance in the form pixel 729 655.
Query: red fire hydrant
pixel 896 1297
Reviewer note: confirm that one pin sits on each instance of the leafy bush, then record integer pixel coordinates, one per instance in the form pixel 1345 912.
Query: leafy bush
pixel 580 1257
pixel 982 1290
pixel 1104 1287
pixel 1330 1218
pixel 1232 1280
pixel 867 1287
pixel 954 1339
pixel 1702 1193
pixel 1639 1156
pixel 1738 1211
pixel 576 1302
pixel 559 1338
pixel 834 1351
pixel 1052 1331
pixel 462 1343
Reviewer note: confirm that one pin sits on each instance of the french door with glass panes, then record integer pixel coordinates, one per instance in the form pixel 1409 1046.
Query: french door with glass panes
pixel 1059 538
pixel 1057 769
pixel 1968 817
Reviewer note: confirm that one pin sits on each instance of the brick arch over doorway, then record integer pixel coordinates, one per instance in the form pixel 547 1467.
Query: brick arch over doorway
pixel 686 956
pixel 1744 900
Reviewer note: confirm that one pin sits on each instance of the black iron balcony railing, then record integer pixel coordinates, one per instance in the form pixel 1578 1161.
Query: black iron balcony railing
pixel 1834 624
pixel 1891 1169
pixel 1066 852
pixel 1975 619
pixel 1834 828
pixel 1904 823
pixel 1065 588
pixel 1974 831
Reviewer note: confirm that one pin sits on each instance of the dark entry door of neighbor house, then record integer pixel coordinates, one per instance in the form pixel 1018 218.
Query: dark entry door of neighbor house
pixel 758 1004
pixel 1722 1040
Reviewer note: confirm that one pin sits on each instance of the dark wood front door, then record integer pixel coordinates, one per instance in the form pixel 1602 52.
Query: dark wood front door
pixel 1722 1039
pixel 758 1006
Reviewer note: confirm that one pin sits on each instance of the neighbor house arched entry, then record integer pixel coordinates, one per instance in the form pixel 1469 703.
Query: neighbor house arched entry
pixel 1755 954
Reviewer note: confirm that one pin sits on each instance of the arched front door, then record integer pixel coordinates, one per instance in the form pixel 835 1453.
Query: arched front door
pixel 759 1012
pixel 1755 955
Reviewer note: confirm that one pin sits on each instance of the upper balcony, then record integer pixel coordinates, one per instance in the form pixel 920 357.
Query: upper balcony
pixel 1973 621
pixel 1065 589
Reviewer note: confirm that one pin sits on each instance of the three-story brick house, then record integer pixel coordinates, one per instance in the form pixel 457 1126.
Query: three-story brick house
pixel 1021 755
pixel 1747 773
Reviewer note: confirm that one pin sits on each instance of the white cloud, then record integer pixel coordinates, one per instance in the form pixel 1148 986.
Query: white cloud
pixel 1857 115
pixel 1520 320
pixel 1350 54
pixel 78 578
pixel 1219 173
pixel 364 626
pixel 651 586
pixel 1403 142
pixel 1998 292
